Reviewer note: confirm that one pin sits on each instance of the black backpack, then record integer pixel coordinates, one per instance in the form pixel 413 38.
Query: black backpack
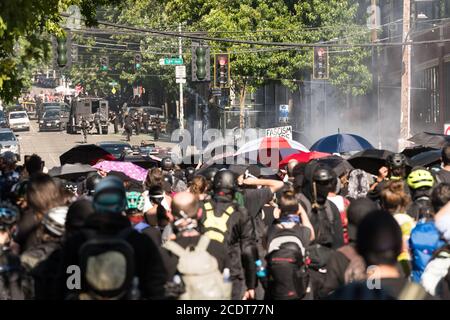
pixel 107 265
pixel 287 274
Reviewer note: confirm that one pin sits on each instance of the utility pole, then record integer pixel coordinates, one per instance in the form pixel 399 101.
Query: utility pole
pixel 180 52
pixel 375 66
pixel 405 105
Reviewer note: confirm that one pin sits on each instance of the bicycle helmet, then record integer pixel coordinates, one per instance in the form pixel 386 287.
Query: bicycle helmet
pixel 9 157
pixel 8 215
pixel 420 178
pixel 135 201
pixel 110 196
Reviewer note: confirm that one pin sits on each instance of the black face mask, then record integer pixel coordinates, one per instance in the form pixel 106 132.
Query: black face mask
pixel 321 192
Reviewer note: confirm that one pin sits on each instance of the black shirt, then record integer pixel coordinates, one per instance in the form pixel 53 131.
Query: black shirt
pixel 215 248
pixel 255 199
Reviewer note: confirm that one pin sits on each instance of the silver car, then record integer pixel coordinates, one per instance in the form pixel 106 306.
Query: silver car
pixel 9 142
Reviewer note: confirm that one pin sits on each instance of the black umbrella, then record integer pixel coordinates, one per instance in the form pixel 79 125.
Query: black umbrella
pixel 432 140
pixel 338 164
pixel 415 150
pixel 70 171
pixel 426 159
pixel 85 154
pixel 370 160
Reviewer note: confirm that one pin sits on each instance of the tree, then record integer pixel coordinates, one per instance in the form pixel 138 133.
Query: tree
pixel 28 24
pixel 310 21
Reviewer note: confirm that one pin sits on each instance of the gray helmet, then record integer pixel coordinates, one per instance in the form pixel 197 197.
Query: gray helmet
pixel 110 196
pixel 225 181
pixel 167 164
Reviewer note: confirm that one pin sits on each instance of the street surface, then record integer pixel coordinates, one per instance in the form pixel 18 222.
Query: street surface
pixel 50 145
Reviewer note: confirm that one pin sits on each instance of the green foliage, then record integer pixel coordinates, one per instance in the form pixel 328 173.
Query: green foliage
pixel 25 27
pixel 310 21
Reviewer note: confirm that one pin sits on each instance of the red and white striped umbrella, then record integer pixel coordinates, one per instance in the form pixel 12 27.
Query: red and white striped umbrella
pixel 270 151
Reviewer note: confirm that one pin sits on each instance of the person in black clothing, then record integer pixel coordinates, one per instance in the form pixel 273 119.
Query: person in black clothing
pixel 379 242
pixel 85 127
pixel 114 119
pixel 145 122
pixel 185 207
pixel 444 174
pixel 128 126
pixel 421 183
pixel 108 219
pixel 324 217
pixel 224 221
pixel 339 260
pixel 156 125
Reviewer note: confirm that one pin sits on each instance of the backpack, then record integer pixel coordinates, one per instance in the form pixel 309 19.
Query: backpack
pixel 425 239
pixel 107 265
pixel 436 272
pixel 358 184
pixel 356 269
pixel 30 259
pixel 287 276
pixel 199 272
pixel 11 277
pixel 215 227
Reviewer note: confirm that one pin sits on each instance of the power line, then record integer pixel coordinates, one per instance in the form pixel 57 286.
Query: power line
pixel 264 43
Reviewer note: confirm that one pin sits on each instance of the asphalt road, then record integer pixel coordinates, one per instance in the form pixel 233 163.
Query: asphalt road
pixel 50 145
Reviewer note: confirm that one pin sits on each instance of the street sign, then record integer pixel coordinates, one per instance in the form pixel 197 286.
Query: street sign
pixel 180 72
pixel 170 61
pixel 283 115
pixel 113 83
pixel 113 90
pixel 285 132
pixel 180 80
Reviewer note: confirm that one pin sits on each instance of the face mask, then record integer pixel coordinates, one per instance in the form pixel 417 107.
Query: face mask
pixel 321 192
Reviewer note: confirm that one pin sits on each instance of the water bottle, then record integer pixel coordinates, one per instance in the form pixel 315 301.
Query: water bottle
pixel 135 294
pixel 227 284
pixel 260 270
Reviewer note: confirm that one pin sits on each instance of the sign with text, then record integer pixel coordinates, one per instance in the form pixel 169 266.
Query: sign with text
pixel 170 61
pixel 447 129
pixel 180 72
pixel 285 132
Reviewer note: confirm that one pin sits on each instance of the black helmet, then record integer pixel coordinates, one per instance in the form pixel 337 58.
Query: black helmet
pixel 189 173
pixel 323 174
pixel 92 180
pixel 396 160
pixel 210 173
pixel 9 157
pixel 167 164
pixel 224 180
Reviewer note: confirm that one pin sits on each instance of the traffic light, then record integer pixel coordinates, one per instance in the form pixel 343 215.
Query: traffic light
pixel 61 50
pixel 137 61
pixel 222 70
pixel 320 63
pixel 200 63
pixel 104 61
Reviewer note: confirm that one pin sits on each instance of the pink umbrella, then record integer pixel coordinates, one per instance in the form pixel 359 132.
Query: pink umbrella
pixel 130 169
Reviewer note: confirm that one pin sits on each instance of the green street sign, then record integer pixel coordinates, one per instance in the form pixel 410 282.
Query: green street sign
pixel 171 61
pixel 113 83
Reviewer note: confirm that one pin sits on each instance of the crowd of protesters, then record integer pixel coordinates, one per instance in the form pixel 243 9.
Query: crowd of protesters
pixel 302 234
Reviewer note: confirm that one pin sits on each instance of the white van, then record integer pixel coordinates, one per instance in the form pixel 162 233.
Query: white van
pixel 18 120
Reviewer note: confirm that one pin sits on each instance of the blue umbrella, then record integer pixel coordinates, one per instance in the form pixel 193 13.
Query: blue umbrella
pixel 341 143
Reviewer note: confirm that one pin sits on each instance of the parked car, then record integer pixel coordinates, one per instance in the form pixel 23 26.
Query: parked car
pixel 116 148
pixel 52 120
pixel 9 142
pixel 18 120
